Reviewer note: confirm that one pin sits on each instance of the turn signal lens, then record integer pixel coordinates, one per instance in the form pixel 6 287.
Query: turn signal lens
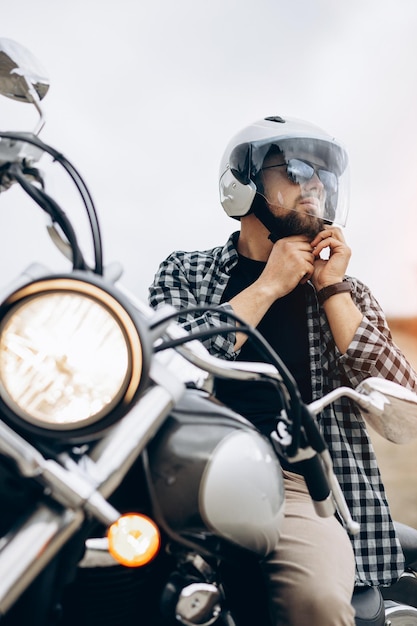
pixel 134 540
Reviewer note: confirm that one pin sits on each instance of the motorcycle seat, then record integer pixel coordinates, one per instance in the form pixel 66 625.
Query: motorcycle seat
pixel 369 606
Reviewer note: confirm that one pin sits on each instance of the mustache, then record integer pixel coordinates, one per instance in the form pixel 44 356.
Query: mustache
pixel 312 193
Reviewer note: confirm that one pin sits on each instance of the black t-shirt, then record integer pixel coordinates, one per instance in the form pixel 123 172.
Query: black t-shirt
pixel 284 326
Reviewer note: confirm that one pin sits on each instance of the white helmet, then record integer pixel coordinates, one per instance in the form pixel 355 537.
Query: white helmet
pixel 298 141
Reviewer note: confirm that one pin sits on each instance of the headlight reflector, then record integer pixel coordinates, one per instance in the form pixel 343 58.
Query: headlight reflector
pixel 68 354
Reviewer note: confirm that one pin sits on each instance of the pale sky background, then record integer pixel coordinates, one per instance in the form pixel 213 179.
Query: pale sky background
pixel 145 95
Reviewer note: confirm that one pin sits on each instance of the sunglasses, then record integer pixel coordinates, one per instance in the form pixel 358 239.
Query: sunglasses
pixel 300 172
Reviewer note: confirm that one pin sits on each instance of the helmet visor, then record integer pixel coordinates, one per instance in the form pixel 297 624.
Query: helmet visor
pixel 316 168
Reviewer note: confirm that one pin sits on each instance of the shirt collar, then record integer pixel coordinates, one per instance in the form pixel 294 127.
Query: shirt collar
pixel 229 255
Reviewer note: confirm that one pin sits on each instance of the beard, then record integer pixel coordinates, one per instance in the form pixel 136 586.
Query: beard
pixel 290 222
pixel 295 223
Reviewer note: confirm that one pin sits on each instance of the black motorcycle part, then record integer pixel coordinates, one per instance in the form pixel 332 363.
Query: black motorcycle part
pixel 404 590
pixel 408 540
pixel 18 495
pixel 40 604
pixel 245 590
pixel 111 596
pixel 369 606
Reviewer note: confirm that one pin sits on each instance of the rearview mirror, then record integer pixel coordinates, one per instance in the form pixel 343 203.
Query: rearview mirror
pixel 20 73
pixel 392 410
pixel 21 76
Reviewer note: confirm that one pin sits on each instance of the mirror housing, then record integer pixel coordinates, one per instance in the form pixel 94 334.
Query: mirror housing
pixel 21 76
pixel 20 73
pixel 390 409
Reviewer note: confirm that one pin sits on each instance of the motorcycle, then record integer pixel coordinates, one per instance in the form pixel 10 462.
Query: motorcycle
pixel 121 474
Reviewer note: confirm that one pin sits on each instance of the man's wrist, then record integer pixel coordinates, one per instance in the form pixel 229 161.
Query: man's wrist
pixel 331 290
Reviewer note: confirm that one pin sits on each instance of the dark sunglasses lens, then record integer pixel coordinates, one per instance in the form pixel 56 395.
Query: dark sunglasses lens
pixel 329 180
pixel 298 171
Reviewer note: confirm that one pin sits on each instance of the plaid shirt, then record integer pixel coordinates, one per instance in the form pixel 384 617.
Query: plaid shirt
pixel 198 278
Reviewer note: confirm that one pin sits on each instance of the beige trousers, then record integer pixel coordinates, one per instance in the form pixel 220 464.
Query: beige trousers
pixel 311 574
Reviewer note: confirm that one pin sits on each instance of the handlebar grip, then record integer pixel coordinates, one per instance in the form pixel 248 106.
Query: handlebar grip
pixel 318 485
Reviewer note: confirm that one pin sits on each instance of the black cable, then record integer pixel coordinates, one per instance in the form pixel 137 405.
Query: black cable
pixel 267 350
pixel 264 349
pixel 80 184
pixel 192 309
pixel 91 211
pixel 200 335
pixel 49 205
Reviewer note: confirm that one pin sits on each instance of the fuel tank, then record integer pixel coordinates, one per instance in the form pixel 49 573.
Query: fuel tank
pixel 211 473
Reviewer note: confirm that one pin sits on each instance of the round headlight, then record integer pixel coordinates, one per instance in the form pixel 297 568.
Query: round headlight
pixel 69 354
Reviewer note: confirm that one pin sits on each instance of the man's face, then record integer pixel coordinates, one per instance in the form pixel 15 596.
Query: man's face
pixel 298 208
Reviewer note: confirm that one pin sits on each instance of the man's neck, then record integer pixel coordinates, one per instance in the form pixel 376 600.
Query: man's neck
pixel 253 240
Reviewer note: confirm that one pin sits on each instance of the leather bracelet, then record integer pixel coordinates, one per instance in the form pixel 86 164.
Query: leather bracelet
pixel 332 290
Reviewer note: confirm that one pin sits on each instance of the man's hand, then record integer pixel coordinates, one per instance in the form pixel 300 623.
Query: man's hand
pixel 342 313
pixel 331 270
pixel 291 261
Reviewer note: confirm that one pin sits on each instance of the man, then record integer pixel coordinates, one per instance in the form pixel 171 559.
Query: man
pixel 285 273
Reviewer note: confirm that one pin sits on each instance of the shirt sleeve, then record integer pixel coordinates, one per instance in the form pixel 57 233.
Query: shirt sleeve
pixel 372 351
pixel 176 284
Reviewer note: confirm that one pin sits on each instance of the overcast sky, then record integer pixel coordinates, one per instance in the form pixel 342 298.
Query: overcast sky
pixel 145 95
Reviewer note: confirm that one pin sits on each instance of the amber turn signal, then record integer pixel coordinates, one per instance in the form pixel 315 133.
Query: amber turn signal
pixel 134 540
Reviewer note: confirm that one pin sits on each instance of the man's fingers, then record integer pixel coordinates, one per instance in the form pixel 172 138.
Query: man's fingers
pixel 328 234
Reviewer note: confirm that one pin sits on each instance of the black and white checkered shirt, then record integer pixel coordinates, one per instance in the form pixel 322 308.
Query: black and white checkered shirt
pixel 200 277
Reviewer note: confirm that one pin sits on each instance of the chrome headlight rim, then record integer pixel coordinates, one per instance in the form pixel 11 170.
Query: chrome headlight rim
pixel 131 325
